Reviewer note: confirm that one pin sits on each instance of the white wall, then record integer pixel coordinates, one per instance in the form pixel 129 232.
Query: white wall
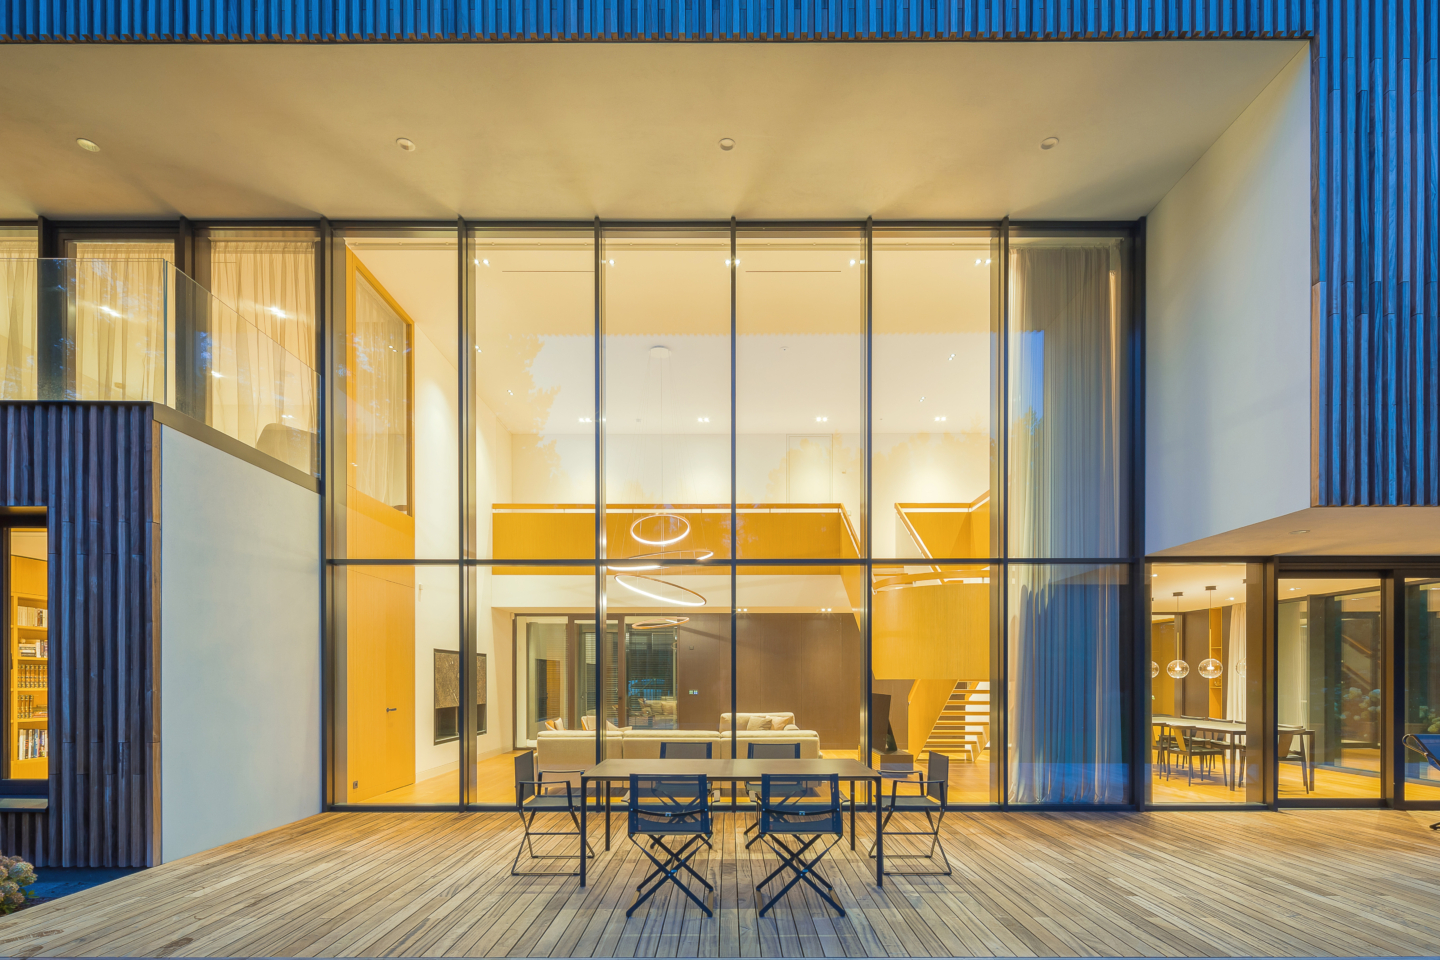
pixel 239 648
pixel 1228 326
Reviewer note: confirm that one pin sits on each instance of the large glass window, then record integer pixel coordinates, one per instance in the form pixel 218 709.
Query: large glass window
pixel 27 659
pixel 1422 683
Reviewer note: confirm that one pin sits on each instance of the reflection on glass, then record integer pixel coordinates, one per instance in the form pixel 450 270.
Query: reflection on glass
pixel 399 662
pixel 1069 446
pixel 799 393
pixel 667 394
pixel 932 638
pixel 533 394
pixel 1198 663
pixel 1422 683
pixel 121 294
pixel 1328 688
pixel 1064 698
pixel 19 246
pixel 935 352
pixel 28 657
pixel 401 391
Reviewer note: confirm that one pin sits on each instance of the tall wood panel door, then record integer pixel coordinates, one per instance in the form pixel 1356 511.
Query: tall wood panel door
pixel 380 681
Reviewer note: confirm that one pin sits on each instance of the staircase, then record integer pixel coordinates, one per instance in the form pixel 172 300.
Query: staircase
pixel 963 730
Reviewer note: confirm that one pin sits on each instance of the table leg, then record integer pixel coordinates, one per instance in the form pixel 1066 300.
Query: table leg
pixel 879 844
pixel 853 801
pixel 583 835
pixel 607 814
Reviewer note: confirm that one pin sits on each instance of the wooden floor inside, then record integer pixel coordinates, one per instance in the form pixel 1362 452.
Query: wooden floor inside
pixel 1181 883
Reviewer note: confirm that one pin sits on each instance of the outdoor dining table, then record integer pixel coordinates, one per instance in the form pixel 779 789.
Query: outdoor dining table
pixel 733 771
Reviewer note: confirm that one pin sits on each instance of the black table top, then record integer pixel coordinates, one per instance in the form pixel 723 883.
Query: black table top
pixel 731 769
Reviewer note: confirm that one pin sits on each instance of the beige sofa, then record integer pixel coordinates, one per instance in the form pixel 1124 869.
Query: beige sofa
pixel 574 750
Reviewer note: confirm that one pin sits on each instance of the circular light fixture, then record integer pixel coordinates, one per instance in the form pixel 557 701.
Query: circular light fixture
pixel 1049 143
pixel 406 144
pixel 657 623
pixel 659 353
pixel 1299 531
pixel 727 144
pixel 1178 669
pixel 660 590
pixel 1210 668
pixel 90 145
pixel 1154 669
pixel 645 561
pixel 663 542
pixel 1239 669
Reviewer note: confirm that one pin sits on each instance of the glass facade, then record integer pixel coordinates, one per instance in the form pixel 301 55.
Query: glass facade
pixel 769 460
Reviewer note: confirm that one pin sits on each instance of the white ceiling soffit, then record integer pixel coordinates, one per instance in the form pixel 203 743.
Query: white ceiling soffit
pixel 893 130
pixel 1327 531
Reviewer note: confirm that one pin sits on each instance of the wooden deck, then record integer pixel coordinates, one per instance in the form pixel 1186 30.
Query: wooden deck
pixel 1323 882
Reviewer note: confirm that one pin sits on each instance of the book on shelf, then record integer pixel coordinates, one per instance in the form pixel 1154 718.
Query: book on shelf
pixel 32 744
pixel 31 616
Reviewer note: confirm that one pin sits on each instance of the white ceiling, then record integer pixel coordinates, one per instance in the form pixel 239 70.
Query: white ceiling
pixel 833 130
pixel 1326 531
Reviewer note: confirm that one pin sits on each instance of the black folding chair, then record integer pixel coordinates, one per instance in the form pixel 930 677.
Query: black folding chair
pixel 662 807
pixel 685 749
pixel 533 796
pixel 800 807
pixel 764 751
pixel 1428 746
pixel 930 800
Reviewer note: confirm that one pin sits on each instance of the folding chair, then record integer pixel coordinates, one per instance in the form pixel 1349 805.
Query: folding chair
pixel 533 796
pixel 764 751
pixel 930 801
pixel 1428 746
pixel 800 807
pixel 663 807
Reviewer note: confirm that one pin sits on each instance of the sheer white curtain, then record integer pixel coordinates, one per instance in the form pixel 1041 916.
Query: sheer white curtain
pixel 382 398
pixel 121 292
pixel 1235 658
pixel 17 317
pixel 261 346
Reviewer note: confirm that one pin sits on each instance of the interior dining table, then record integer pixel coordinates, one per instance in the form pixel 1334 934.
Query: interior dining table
pixel 733 772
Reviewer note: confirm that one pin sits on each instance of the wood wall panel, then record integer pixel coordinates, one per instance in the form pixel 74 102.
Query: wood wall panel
pixel 94 467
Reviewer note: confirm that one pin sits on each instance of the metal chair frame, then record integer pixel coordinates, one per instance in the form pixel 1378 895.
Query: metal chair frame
pixel 527 791
pixel 1416 742
pixel 678 817
pixel 766 751
pixel 931 800
pixel 785 814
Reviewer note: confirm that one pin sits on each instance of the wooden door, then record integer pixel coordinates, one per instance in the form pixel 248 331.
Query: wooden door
pixel 380 681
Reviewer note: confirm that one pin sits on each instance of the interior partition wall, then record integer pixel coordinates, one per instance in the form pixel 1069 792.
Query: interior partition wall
pixel 865 488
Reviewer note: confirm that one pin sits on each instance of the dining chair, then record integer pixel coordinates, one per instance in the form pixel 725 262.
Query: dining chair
pixel 1190 746
pixel 1290 748
pixel 929 800
pixel 690 750
pixel 799 807
pixel 1428 746
pixel 533 796
pixel 667 808
pixel 764 751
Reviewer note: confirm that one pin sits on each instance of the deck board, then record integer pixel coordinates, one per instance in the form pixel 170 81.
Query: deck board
pixel 1179 883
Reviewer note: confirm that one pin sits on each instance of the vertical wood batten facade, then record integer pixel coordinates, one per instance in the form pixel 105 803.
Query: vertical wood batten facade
pixel 93 466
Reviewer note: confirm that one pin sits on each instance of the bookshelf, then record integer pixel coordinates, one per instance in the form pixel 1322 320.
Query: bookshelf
pixel 28 694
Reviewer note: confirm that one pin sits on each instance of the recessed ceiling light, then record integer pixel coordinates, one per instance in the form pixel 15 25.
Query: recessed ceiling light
pixel 1049 143
pixel 727 144
pixel 90 145
pixel 1299 531
pixel 406 144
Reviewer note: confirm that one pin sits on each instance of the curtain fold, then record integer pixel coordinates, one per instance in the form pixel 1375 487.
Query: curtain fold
pixel 1235 657
pixel 18 279
pixel 121 293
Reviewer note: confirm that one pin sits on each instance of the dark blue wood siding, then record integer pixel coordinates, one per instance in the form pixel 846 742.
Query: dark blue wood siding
pixel 92 466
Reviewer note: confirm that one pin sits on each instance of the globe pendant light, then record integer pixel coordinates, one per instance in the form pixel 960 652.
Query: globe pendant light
pixel 1210 668
pixel 1154 669
pixel 1177 668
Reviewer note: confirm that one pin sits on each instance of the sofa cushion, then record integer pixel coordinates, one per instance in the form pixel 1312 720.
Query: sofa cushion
pixel 757 722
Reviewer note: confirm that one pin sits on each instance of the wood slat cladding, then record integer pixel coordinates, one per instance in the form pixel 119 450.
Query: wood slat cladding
pixel 94 467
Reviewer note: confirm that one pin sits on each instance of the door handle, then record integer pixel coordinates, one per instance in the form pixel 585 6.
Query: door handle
pixel 391 709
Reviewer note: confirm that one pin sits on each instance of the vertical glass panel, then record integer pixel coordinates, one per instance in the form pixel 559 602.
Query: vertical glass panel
pixel 1200 719
pixel 399 663
pixel 247 354
pixel 1069 420
pixel 122 294
pixel 800 393
pixel 535 630
pixel 666 660
pixel 933 639
pixel 532 394
pixel 1328 707
pixel 19 248
pixel 1422 685
pixel 935 366
pixel 667 394
pixel 1066 740
pixel 800 659
pixel 400 385
pixel 27 622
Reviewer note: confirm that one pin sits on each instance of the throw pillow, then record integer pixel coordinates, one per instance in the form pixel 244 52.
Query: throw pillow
pixel 758 723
